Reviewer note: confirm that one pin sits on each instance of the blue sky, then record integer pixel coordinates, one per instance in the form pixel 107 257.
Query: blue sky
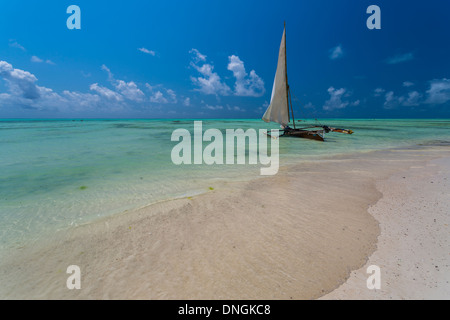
pixel 217 59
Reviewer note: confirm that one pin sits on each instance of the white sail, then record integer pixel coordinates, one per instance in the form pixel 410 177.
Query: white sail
pixel 278 110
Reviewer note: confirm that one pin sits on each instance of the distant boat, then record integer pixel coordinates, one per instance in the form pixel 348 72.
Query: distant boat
pixel 280 101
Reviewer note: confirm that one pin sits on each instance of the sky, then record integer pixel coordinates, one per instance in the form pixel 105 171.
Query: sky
pixel 217 59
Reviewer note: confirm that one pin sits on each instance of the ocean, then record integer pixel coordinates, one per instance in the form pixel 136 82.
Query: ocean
pixel 56 174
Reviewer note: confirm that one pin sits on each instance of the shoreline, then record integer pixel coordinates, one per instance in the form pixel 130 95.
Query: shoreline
pixel 220 245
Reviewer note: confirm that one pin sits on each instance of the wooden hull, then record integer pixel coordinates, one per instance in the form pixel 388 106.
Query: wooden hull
pixel 306 134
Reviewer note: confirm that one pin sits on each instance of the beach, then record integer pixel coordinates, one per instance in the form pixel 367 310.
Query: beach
pixel 309 232
pixel 413 250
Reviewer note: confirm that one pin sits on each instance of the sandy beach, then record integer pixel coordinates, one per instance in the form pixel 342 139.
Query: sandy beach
pixel 309 232
pixel 413 250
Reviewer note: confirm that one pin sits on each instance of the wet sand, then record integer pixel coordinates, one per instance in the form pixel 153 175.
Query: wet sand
pixel 297 235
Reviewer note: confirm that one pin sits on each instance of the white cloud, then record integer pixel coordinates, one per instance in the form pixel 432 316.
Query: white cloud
pixel 187 102
pixel 209 82
pixel 378 92
pixel 21 83
pixel 213 107
pixel 249 86
pixel 197 56
pixel 129 90
pixel 24 93
pixel 36 59
pixel 400 58
pixel 39 60
pixel 408 84
pixel 235 108
pixel 335 101
pixel 336 52
pixel 15 44
pixel 413 99
pixel 392 101
pixel 439 91
pixel 158 97
pixel 110 75
pixel 82 101
pixel 105 92
pixel 172 96
pixel 150 52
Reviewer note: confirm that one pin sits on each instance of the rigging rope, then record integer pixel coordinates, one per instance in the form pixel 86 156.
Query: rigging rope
pixel 301 113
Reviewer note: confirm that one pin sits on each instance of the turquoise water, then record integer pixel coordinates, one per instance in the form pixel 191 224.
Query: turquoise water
pixel 58 173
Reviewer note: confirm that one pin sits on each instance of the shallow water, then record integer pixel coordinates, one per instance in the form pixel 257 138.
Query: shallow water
pixel 59 173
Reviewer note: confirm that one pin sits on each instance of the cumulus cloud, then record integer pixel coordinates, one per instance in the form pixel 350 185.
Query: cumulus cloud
pixel 187 102
pixel 246 85
pixel 439 91
pixel 105 92
pixel 413 99
pixel 23 92
pixel 158 97
pixel 392 101
pixel 336 100
pixel 197 56
pixel 26 94
pixel 21 83
pixel 336 52
pixel 209 82
pixel 79 101
pixel 172 96
pixel 161 95
pixel 129 90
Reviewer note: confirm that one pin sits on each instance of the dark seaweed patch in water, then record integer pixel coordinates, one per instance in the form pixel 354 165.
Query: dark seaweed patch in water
pixel 159 135
pixel 365 128
pixel 181 122
pixel 130 126
pixel 435 143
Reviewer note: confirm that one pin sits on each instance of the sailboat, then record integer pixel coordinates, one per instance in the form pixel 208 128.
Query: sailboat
pixel 280 103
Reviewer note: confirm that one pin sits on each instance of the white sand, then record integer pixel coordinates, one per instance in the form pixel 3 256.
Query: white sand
pixel 413 248
pixel 297 235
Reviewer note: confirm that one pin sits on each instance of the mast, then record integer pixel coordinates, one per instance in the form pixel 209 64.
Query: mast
pixel 288 91
pixel 292 109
